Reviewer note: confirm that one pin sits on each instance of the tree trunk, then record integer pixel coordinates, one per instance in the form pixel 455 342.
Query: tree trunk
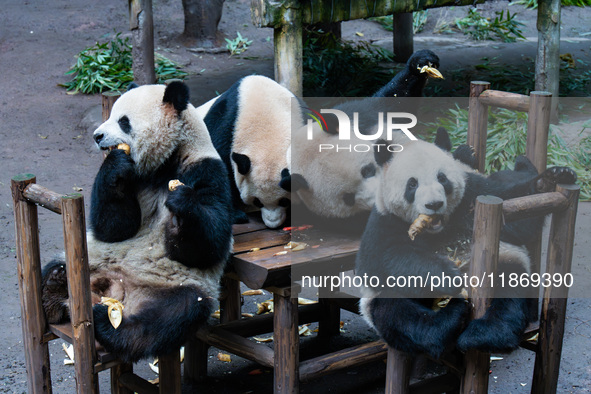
pixel 201 21
pixel 548 58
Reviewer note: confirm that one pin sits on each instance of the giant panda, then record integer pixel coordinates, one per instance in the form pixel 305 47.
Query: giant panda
pixel 425 179
pixel 341 185
pixel 159 252
pixel 250 126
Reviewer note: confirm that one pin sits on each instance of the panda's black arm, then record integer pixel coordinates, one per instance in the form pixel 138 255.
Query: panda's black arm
pixel 199 235
pixel 115 213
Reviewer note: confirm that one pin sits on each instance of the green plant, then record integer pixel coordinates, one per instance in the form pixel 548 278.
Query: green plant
pixel 480 28
pixel 108 66
pixel 506 140
pixel 565 3
pixel 238 45
pixel 336 68
pixel 419 18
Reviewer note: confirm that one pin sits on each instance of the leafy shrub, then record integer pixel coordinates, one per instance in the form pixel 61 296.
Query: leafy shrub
pixel 238 45
pixel 565 3
pixel 108 66
pixel 481 28
pixel 419 18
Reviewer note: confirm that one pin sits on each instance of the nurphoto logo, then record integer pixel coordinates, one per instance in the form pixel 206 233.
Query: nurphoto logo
pixel 392 120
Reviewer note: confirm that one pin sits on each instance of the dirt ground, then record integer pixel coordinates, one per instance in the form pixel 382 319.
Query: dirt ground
pixel 47 132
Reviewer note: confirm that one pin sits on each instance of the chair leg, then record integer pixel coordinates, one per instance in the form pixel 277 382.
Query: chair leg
pixel 195 365
pixel 287 345
pixel 169 368
pixel 397 372
pixel 116 372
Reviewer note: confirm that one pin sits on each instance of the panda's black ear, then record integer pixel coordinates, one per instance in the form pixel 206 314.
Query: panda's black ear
pixel 132 85
pixel 177 94
pixel 285 182
pixel 442 139
pixel 242 162
pixel 298 182
pixel 381 153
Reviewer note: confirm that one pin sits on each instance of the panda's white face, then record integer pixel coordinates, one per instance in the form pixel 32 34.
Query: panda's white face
pixel 422 179
pixel 140 119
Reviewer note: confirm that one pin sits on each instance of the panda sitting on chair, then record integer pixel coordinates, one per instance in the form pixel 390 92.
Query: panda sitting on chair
pixel 425 179
pixel 160 252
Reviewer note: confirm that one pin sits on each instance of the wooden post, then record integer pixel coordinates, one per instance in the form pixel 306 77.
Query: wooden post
pixel 287 345
pixel 397 372
pixel 116 372
pixel 548 56
pixel 560 253
pixel 538 125
pixel 403 46
pixel 230 303
pixel 289 48
pixel 169 372
pixel 141 25
pixel 28 261
pixel 79 293
pixel 195 365
pixel 107 100
pixel 478 122
pixel 485 254
pixel 330 324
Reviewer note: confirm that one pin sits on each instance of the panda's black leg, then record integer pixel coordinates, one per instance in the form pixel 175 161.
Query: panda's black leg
pixel 523 164
pixel 240 216
pixel 465 154
pixel 409 326
pixel 548 179
pixel 500 329
pixel 115 213
pixel 162 324
pixel 54 292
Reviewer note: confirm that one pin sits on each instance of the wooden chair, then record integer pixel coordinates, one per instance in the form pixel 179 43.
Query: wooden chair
pixel 80 331
pixel 490 214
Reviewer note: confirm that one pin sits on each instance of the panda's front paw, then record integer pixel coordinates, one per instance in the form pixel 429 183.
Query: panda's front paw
pixel 548 180
pixel 54 292
pixel 180 200
pixel 118 169
pixel 488 336
pixel 465 154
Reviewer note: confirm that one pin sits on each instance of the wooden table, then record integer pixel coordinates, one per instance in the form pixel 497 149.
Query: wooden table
pixel 263 269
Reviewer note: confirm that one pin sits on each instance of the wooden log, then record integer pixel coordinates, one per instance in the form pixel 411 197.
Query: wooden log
pixel 237 345
pixel 169 373
pixel 548 54
pixel 478 122
pixel 538 125
pixel 116 372
pixel 78 274
pixel 397 372
pixel 511 101
pixel 403 46
pixel 230 304
pixel 289 48
pixel 195 365
pixel 485 255
pixel 142 31
pixel 44 197
pixel 107 101
pixel 353 356
pixel 287 345
pixel 137 384
pixel 28 260
pixel 560 252
pixel 534 205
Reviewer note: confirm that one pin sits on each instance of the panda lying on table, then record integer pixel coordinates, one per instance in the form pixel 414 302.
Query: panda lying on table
pixel 425 179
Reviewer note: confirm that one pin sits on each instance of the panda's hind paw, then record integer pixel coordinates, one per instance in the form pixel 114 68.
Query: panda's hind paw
pixel 548 180
pixel 485 336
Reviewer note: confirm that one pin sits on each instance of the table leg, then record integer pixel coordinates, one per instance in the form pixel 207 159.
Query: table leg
pixel 230 304
pixel 287 345
pixel 195 365
pixel 330 324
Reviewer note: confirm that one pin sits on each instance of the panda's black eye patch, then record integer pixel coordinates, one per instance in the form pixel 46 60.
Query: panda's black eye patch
pixel 124 124
pixel 257 203
pixel 447 186
pixel 411 187
pixel 368 170
pixel 284 202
